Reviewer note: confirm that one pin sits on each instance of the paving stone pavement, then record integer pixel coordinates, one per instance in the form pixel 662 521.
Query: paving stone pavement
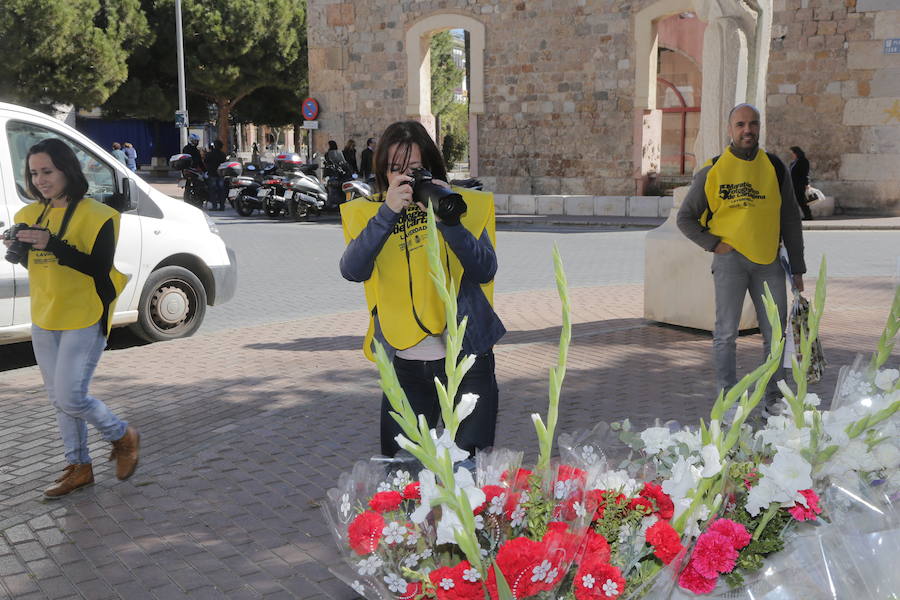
pixel 245 430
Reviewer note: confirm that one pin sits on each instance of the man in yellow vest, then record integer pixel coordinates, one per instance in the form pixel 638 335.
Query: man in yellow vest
pixel 741 207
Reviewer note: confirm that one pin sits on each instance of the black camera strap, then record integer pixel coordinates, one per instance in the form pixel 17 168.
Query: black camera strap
pixel 70 210
pixel 412 299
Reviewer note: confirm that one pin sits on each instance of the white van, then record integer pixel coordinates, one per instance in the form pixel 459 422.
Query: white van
pixel 177 262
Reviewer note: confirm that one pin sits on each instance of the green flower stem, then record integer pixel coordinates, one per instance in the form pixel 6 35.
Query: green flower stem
pixel 767 516
pixel 886 342
pixel 546 432
pixel 855 429
pixel 415 428
pixel 807 339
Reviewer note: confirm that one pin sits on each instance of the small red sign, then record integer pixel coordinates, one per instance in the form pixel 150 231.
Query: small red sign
pixel 310 109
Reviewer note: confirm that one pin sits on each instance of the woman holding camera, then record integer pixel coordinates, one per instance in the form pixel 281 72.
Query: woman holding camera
pixel 68 248
pixel 386 251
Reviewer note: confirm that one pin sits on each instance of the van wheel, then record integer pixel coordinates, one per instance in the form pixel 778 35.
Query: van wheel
pixel 173 304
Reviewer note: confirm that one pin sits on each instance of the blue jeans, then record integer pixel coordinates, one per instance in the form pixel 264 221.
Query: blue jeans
pixel 416 377
pixel 67 360
pixel 735 275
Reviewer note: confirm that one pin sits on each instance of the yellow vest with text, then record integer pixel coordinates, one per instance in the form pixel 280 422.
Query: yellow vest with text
pixel 61 297
pixel 388 290
pixel 745 205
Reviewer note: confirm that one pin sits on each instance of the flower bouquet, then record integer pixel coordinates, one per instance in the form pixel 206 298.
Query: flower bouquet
pixel 666 512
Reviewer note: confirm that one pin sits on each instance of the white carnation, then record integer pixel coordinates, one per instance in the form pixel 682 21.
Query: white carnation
pixel 885 379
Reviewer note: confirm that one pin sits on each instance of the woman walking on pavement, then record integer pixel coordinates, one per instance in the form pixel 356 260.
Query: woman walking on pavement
pixel 68 251
pixel 800 179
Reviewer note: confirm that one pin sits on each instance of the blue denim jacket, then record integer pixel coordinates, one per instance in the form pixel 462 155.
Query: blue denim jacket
pixel 477 257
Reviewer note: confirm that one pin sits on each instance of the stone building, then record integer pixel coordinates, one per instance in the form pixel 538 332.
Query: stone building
pixel 613 97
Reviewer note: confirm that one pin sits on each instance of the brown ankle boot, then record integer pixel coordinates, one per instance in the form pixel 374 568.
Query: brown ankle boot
pixel 72 478
pixel 126 450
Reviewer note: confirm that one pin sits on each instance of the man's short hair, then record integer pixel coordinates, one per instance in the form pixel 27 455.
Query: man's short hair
pixel 369 141
pixel 742 105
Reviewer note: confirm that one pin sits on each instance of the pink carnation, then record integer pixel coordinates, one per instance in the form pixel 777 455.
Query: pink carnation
pixel 802 513
pixel 736 532
pixel 691 580
pixel 713 554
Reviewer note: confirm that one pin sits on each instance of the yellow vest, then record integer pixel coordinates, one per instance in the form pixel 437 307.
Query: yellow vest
pixel 61 297
pixel 388 291
pixel 745 205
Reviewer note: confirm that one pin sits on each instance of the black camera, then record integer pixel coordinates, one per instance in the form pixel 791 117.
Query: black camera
pixel 17 252
pixel 448 205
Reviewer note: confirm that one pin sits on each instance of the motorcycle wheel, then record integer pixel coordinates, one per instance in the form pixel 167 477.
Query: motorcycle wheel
pixel 272 211
pixel 242 207
pixel 299 211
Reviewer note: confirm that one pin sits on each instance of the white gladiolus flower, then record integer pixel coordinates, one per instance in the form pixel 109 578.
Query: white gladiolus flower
pixel 656 439
pixel 712 464
pixel 885 379
pixel 466 405
pixel 445 442
pixel 812 400
pixel 780 481
pixel 887 454
pixel 683 479
pixel 715 429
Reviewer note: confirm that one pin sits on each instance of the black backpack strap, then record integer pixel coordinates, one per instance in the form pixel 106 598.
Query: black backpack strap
pixel 779 168
pixel 708 211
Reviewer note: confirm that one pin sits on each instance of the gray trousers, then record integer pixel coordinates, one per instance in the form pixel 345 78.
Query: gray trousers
pixel 735 275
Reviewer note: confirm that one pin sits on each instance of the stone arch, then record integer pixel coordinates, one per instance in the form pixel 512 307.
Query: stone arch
pixel 418 78
pixel 735 58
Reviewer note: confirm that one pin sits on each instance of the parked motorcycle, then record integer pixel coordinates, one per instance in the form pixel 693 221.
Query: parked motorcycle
pixel 357 188
pixel 251 194
pixel 304 194
pixel 193 179
pixel 337 174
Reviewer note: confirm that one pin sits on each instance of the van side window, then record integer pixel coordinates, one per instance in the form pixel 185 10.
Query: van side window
pixel 22 136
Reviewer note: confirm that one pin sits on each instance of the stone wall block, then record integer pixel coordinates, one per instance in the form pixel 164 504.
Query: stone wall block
pixel 501 204
pixel 520 204
pixel 549 205
pixel 578 205
pixel 643 206
pixel 612 206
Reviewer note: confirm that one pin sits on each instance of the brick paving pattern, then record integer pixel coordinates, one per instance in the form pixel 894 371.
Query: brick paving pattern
pixel 244 431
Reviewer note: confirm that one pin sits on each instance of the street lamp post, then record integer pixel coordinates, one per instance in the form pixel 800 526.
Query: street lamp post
pixel 182 96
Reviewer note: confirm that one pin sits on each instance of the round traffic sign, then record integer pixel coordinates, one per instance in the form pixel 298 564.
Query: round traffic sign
pixel 310 109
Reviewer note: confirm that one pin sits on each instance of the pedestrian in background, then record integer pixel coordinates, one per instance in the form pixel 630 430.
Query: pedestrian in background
pixel 192 148
pixel 365 165
pixel 800 179
pixel 350 155
pixel 387 252
pixel 74 287
pixel 740 206
pixel 118 153
pixel 215 182
pixel 333 159
pixel 130 156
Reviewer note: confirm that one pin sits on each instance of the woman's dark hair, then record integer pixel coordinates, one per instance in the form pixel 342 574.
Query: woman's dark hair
pixel 404 134
pixel 350 145
pixel 64 159
pixel 796 150
pixel 332 145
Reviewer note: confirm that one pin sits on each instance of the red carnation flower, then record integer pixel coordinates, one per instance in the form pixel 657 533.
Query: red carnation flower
pixel 691 580
pixel 641 504
pixel 714 554
pixel 665 508
pixel 736 532
pixel 598 580
pixel 517 559
pixel 596 548
pixel 386 501
pixel 665 541
pixel 412 491
pixel 567 472
pixel 365 532
pixel 802 513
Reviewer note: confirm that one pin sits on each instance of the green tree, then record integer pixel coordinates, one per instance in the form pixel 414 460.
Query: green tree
pixel 455 131
pixel 67 51
pixel 232 48
pixel 445 75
